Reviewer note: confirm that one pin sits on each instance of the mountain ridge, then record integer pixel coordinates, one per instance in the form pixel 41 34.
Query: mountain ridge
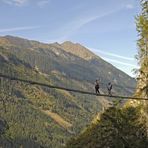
pixel 52 64
pixel 67 46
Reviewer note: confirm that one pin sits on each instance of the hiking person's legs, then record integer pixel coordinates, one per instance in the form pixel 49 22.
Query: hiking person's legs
pixel 109 92
pixel 98 91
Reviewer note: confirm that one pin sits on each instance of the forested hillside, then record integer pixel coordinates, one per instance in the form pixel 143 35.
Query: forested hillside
pixel 115 128
pixel 35 116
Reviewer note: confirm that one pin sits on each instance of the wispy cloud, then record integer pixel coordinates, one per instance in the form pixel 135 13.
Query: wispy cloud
pixel 85 20
pixel 15 2
pixel 130 6
pixel 40 3
pixel 76 24
pixel 81 21
pixel 115 58
pixel 119 62
pixel 113 54
pixel 18 29
pixel 43 3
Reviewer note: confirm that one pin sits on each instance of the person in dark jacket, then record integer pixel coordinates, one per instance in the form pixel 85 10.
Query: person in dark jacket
pixel 109 88
pixel 97 87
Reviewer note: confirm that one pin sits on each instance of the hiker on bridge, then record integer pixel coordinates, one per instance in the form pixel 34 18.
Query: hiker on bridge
pixel 97 87
pixel 109 88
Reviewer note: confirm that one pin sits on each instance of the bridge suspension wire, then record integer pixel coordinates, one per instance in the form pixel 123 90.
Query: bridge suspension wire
pixel 68 89
pixel 119 86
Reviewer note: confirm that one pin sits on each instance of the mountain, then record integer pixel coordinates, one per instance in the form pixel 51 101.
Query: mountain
pixel 35 116
pixel 78 50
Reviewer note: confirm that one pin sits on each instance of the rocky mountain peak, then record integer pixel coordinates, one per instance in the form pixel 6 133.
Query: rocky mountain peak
pixel 78 50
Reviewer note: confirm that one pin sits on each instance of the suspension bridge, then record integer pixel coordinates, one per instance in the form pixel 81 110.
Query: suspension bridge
pixel 68 89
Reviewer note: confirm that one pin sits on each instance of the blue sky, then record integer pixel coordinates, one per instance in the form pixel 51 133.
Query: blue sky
pixel 107 27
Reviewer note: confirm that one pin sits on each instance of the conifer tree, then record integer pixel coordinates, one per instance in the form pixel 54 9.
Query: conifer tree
pixel 142 28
